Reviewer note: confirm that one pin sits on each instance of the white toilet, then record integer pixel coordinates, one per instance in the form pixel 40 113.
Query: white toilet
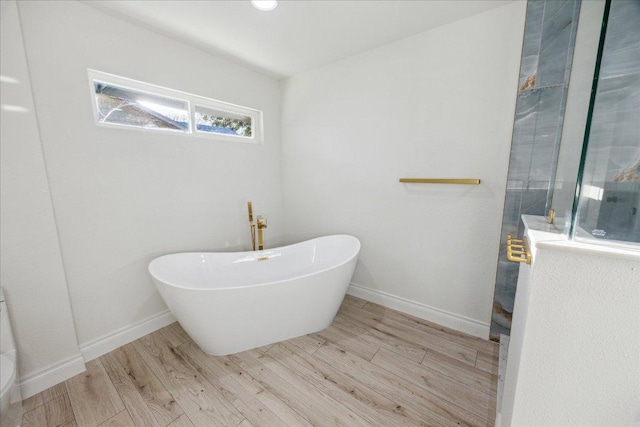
pixel 10 396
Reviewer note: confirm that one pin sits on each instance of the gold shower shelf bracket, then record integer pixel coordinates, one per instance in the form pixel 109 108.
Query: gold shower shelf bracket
pixel 517 250
pixel 439 181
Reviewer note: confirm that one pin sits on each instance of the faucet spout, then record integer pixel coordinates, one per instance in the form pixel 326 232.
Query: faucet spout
pixel 252 225
pixel 260 223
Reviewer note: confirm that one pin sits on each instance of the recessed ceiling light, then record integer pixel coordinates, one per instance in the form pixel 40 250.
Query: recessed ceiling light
pixel 264 4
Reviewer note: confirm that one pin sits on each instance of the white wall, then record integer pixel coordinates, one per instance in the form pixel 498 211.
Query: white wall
pixel 31 271
pixel 123 197
pixel 577 361
pixel 440 105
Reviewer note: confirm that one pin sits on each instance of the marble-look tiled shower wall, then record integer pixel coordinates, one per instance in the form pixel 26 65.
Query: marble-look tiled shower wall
pixel 547 53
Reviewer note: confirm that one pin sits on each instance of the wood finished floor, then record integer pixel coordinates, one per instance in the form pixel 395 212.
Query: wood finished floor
pixel 372 367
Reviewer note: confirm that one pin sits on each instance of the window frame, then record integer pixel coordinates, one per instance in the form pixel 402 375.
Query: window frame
pixel 191 100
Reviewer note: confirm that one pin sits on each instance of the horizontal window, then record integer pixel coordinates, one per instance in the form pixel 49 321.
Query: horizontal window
pixel 119 101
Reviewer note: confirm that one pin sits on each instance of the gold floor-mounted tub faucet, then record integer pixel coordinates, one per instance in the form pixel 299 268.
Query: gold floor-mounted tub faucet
pixel 260 223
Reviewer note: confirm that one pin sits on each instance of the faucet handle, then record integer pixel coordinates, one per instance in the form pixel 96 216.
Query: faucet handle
pixel 250 209
pixel 262 222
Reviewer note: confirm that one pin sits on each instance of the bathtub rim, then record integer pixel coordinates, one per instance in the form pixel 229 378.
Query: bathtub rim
pixel 273 282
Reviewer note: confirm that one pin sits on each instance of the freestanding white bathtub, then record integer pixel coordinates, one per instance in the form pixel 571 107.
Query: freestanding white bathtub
pixel 231 302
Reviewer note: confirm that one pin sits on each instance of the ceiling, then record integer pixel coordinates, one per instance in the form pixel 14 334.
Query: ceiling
pixel 299 34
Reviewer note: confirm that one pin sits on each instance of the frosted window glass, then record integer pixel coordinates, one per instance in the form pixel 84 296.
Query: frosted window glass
pixel 118 105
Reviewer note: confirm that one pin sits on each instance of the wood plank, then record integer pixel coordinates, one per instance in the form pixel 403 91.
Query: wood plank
pixel 308 401
pixel 462 372
pixel 58 411
pixel 53 392
pixel 32 402
pixel 35 417
pixel 128 392
pixel 442 331
pixel 434 409
pixel 489 360
pixel 245 423
pixel 470 398
pixel 141 386
pixel 123 419
pixel 175 334
pixel 380 338
pixel 265 348
pixel 43 397
pixel 308 343
pixel 348 341
pixel 373 407
pixel 424 337
pixel 353 301
pixel 93 396
pixel 181 421
pixel 202 403
pixel 263 394
pixel 246 403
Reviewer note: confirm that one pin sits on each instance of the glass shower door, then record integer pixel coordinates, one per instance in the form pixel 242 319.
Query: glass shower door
pixel 607 205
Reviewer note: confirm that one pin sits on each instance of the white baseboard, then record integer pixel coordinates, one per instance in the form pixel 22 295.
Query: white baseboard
pixel 67 368
pixel 432 314
pixel 51 375
pixel 105 344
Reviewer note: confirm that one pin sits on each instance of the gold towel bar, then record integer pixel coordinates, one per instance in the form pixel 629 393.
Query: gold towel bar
pixel 517 250
pixel 439 181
